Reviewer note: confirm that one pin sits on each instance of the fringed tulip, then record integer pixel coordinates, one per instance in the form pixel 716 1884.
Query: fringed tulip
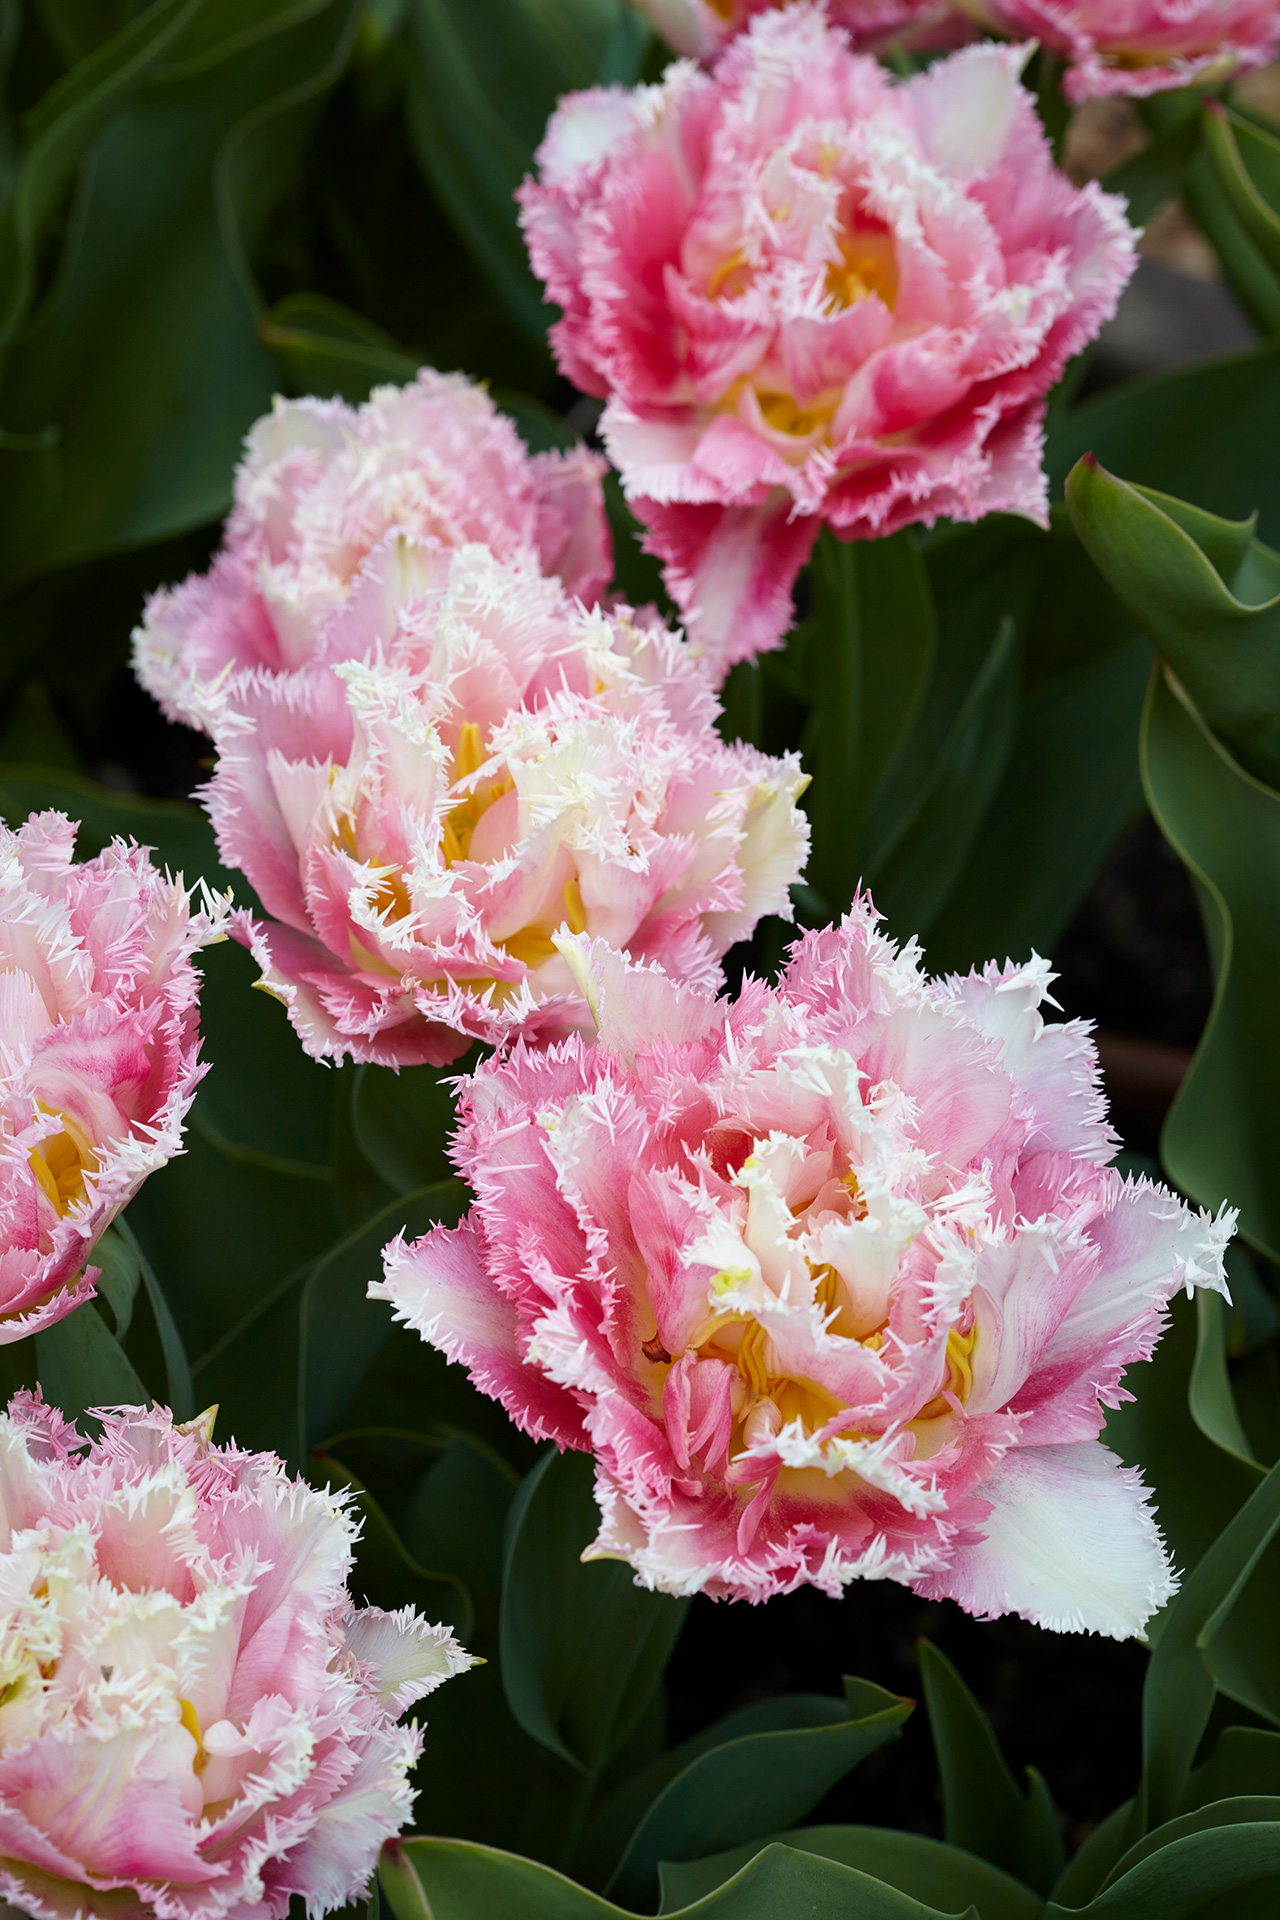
pixel 321 484
pixel 811 294
pixel 99 1044
pixel 833 1279
pixel 702 28
pixel 1138 47
pixel 195 1722
pixel 503 765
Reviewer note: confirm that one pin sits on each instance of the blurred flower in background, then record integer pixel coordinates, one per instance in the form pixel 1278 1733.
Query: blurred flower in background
pixel 833 1279
pixel 99 1031
pixel 195 1722
pixel 810 294
pixel 321 484
pixel 702 27
pixel 491 763
pixel 1140 47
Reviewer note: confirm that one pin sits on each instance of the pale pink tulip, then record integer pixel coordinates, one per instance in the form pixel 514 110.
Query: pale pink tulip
pixel 321 484
pixel 833 1279
pixel 195 1722
pixel 491 763
pixel 99 1044
pixel 702 27
pixel 1138 47
pixel 811 294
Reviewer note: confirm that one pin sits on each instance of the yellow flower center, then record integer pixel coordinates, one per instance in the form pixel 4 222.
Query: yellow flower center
pixel 61 1162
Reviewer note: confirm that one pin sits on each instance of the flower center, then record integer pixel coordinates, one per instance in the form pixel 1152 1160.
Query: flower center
pixel 61 1162
pixel 868 264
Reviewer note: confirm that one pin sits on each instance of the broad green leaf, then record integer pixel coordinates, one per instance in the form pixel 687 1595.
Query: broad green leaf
pixel 1245 1761
pixel 81 1365
pixel 1221 1141
pixel 1179 1688
pixel 1204 430
pixel 757 1782
pixel 583 1647
pixel 59 130
pixel 1221 636
pixel 874 640
pixel 136 387
pixel 1197 1858
pixel 386 1573
pixel 984 1810
pixel 119 1276
pixel 402 1122
pixel 929 1870
pixel 450 1880
pixel 322 347
pixel 1089 1867
pixel 1246 163
pixel 340 1330
pixel 914 875
pixel 179 835
pixel 1070 786
pixel 486 76
pixel 1209 1394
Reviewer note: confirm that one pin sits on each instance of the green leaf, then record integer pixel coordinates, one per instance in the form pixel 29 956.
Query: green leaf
pixel 1220 636
pixel 768 1768
pixel 134 390
pixel 1189 1864
pixel 1205 429
pixel 1221 1140
pixel 871 656
pixel 583 1647
pixel 485 78
pixel 81 1365
pixel 1246 1760
pixel 915 874
pixel 402 1122
pixel 1179 1688
pixel 120 1276
pixel 322 347
pixel 928 1870
pixel 386 1573
pixel 1156 173
pixel 984 1810
pixel 340 1330
pixel 1246 164
pixel 451 1880
pixel 1209 1395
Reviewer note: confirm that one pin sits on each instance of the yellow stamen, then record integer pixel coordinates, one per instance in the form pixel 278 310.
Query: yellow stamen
pixel 959 1357
pixel 867 265
pixel 61 1162
pixel 575 914
pixel 732 276
pixel 469 752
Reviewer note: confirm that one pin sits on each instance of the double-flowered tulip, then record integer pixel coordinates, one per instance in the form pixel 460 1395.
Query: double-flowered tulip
pixel 1140 47
pixel 321 484
pixel 703 27
pixel 812 294
pixel 99 1045
pixel 195 1722
pixel 489 764
pixel 833 1279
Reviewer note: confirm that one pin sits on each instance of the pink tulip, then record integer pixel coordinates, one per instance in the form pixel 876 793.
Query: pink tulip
pixel 811 294
pixel 195 1722
pixel 321 484
pixel 99 1031
pixel 702 27
pixel 1138 47
pixel 489 764
pixel 833 1279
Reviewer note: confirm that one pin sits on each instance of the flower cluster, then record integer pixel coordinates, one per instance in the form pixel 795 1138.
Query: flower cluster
pixel 812 295
pixel 488 764
pixel 1137 47
pixel 99 1044
pixel 195 1723
pixel 833 1279
pixel 321 485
